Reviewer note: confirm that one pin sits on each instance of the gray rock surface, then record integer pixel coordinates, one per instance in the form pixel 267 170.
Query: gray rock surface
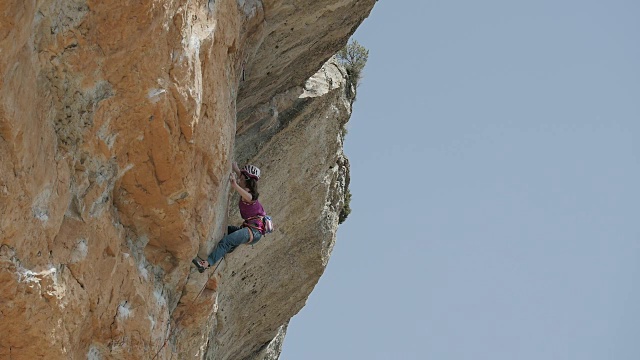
pixel 304 177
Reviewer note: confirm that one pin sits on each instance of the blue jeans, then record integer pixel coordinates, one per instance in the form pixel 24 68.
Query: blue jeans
pixel 235 236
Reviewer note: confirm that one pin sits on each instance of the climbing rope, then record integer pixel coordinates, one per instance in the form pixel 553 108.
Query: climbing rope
pixel 182 315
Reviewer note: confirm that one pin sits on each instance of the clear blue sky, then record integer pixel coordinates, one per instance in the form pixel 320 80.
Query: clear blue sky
pixel 495 158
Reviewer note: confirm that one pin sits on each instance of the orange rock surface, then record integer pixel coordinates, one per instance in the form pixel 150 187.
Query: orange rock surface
pixel 118 125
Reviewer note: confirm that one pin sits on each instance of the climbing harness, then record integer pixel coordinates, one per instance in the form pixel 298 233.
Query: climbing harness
pixel 264 224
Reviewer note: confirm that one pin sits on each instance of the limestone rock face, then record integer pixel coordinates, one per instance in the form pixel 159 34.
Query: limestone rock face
pixel 118 124
pixel 304 177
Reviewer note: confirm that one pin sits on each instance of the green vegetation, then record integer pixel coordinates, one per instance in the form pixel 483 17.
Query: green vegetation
pixel 346 209
pixel 353 57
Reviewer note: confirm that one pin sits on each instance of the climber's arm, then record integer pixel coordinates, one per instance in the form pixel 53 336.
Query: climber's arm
pixel 236 169
pixel 246 196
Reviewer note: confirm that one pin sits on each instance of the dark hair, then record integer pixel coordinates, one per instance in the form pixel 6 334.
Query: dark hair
pixel 252 184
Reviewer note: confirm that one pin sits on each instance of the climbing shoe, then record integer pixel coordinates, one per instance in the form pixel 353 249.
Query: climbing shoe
pixel 202 265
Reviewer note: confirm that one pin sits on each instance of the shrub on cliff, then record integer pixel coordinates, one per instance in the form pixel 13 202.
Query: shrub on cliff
pixel 353 57
pixel 346 209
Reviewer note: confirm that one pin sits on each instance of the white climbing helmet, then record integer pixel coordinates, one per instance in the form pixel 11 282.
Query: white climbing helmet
pixel 251 171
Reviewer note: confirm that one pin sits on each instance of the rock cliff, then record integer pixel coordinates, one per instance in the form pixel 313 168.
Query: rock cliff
pixel 118 125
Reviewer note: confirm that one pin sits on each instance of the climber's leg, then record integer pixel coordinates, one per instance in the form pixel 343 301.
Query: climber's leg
pixel 232 229
pixel 228 243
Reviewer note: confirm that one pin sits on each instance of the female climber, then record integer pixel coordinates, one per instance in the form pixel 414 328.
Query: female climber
pixel 245 182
